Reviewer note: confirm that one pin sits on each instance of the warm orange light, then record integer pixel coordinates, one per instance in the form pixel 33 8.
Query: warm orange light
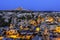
pixel 46 31
pixel 10 32
pixel 21 27
pixel 28 36
pixel 57 38
pixel 1 37
pixel 13 36
pixel 38 20
pixel 33 22
pixel 57 29
pixel 50 19
pixel 58 19
pixel 26 29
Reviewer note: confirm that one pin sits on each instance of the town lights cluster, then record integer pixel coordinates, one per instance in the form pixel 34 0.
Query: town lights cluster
pixel 26 25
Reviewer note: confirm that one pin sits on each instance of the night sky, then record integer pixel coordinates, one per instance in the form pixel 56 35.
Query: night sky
pixel 42 5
